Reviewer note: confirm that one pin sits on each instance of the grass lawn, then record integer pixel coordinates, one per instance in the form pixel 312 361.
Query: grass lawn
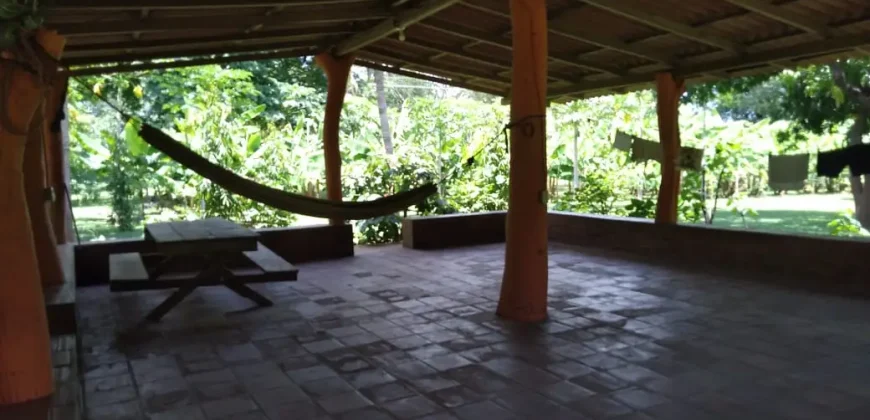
pixel 803 214
pixel 93 223
pixel 791 213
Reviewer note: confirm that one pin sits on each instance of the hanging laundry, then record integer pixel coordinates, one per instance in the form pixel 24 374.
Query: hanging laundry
pixel 856 157
pixel 787 172
pixel 691 159
pixel 622 141
pixel 644 150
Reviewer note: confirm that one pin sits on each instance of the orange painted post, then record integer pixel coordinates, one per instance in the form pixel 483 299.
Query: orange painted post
pixel 25 348
pixel 669 90
pixel 337 70
pixel 524 285
pixel 35 182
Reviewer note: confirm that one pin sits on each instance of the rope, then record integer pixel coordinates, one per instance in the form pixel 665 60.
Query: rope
pixel 528 130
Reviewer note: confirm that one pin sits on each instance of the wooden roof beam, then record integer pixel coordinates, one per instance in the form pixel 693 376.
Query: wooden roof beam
pixel 487 38
pixel 629 10
pixel 218 23
pixel 780 14
pixel 128 68
pixel 759 58
pixel 568 30
pixel 65 6
pixel 309 45
pixel 432 68
pixel 460 83
pixel 443 50
pixel 392 25
pixel 264 36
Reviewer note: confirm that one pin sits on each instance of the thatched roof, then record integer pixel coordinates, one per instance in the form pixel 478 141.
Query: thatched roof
pixel 596 46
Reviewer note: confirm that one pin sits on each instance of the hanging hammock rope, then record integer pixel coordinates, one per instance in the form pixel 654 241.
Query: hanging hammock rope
pixel 272 197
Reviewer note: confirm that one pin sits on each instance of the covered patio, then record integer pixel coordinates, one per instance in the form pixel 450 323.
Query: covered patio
pixel 395 333
pixel 531 328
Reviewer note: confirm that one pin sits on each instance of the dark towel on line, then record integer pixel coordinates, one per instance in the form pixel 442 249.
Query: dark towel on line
pixel 856 157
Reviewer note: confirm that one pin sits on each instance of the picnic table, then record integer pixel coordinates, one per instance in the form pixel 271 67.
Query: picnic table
pixel 212 251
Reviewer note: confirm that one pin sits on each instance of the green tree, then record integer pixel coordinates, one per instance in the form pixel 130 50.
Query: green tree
pixel 818 98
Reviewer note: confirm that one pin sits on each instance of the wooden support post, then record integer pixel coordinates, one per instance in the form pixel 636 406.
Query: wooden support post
pixel 25 348
pixel 524 285
pixel 669 89
pixel 337 70
pixel 56 159
pixel 35 183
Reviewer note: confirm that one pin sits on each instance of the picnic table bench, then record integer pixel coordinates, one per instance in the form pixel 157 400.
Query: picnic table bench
pixel 192 254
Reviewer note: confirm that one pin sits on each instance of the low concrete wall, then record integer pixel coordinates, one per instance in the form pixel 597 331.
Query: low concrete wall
pixel 453 230
pixel 833 264
pixel 296 245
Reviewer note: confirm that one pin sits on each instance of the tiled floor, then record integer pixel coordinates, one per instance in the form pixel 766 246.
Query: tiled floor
pixel 394 333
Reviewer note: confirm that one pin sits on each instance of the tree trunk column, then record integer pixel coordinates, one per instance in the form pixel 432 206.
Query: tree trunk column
pixel 337 70
pixel 25 348
pixel 669 90
pixel 524 285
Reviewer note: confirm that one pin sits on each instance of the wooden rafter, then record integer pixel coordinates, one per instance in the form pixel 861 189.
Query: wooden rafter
pixel 129 68
pixel 429 67
pixel 442 50
pixel 392 25
pixel 759 58
pixel 490 39
pixel 218 23
pixel 460 83
pixel 780 14
pixel 630 10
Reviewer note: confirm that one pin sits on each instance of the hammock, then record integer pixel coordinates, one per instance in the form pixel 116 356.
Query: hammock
pixel 278 199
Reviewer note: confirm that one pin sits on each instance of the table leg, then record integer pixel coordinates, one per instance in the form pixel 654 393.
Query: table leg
pixel 174 299
pixel 247 292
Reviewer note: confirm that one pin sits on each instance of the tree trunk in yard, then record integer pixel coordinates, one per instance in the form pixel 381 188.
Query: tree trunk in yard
pixel 859 193
pixel 576 167
pixel 382 110
pixel 854 136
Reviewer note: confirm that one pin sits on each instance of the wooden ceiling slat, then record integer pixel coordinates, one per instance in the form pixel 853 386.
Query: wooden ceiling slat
pixel 563 28
pixel 831 45
pixel 216 23
pixel 630 10
pixel 485 37
pixel 782 15
pixel 443 50
pixel 392 25
pixel 466 72
pixel 424 76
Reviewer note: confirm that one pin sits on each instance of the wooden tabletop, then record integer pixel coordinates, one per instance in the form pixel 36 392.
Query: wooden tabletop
pixel 201 237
